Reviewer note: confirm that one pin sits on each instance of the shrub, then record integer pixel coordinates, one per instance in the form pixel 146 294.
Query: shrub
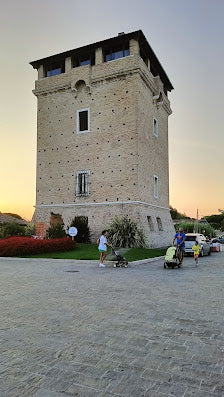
pixel 24 246
pixel 11 229
pixel 216 219
pixel 30 230
pixel 56 231
pixel 190 227
pixel 123 232
pixel 81 223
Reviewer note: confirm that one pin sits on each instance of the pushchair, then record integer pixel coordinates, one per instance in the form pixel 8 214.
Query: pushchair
pixel 121 261
pixel 172 258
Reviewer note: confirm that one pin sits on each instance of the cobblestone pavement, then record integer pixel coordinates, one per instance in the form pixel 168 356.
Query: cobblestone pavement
pixel 72 329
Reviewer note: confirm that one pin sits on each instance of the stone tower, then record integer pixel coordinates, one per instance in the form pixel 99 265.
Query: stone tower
pixel 102 136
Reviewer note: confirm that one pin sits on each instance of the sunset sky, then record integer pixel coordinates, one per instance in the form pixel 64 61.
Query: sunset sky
pixel 187 37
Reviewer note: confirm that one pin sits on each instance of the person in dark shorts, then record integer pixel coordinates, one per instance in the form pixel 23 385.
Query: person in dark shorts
pixel 180 238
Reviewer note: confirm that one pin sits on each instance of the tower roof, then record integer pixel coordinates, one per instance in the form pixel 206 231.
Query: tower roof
pixel 114 41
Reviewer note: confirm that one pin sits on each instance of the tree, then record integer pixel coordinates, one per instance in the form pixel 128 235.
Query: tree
pixel 56 231
pixel 81 224
pixel 176 215
pixel 222 225
pixel 215 220
pixel 11 229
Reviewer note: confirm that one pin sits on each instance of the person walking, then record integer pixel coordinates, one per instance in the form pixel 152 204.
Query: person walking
pixel 102 247
pixel 196 248
pixel 180 238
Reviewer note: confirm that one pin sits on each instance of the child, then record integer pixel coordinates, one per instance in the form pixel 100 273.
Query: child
pixel 102 246
pixel 196 249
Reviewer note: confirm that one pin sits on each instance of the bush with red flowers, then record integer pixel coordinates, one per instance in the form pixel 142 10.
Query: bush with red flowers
pixel 23 246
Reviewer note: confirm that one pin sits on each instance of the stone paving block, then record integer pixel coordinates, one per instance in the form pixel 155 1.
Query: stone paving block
pixel 157 375
pixel 81 391
pixel 91 335
pixel 48 393
pixel 198 393
pixel 173 389
pixel 131 386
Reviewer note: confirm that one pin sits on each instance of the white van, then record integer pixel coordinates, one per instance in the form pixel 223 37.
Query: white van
pixel 205 246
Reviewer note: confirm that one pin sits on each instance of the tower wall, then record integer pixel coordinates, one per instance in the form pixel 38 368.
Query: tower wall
pixel 120 152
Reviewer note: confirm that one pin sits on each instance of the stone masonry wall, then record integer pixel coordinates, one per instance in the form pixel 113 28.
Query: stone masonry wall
pixel 120 151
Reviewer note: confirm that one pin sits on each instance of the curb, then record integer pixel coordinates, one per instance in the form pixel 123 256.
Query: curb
pixel 79 261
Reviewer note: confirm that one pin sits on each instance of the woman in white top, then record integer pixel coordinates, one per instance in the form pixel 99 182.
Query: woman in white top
pixel 102 247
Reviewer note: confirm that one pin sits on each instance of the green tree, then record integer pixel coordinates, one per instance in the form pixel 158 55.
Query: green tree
pixel 124 232
pixel 81 224
pixel 30 229
pixel 222 225
pixel 175 214
pixel 56 231
pixel 11 229
pixel 215 220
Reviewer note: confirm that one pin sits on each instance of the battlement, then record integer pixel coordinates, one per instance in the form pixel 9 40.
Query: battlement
pixel 121 46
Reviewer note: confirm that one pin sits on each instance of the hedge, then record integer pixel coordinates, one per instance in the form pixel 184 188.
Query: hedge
pixel 20 246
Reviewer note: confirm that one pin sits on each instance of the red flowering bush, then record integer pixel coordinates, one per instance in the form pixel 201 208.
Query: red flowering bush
pixel 20 246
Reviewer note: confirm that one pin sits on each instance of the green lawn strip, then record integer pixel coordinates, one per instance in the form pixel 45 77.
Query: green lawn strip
pixel 136 254
pixel 82 251
pixel 90 252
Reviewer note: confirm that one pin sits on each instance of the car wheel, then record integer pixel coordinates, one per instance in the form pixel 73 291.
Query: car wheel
pixel 209 252
pixel 202 252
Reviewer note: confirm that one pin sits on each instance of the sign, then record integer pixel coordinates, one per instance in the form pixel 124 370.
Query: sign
pixel 72 231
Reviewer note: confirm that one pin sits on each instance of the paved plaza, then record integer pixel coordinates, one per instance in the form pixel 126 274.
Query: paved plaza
pixel 71 329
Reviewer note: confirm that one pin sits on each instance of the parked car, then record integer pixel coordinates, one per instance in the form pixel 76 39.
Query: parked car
pixel 219 240
pixel 205 245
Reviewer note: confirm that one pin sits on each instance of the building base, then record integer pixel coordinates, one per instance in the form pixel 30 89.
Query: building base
pixel 155 221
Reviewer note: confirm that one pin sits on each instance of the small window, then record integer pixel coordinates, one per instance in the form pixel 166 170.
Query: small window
pixel 82 183
pixel 150 222
pixel 116 53
pixel 159 223
pixel 85 62
pixel 82 121
pixel 155 126
pixel 54 69
pixel 156 190
pixel 83 59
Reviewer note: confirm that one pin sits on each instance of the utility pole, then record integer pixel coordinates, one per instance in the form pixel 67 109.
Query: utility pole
pixel 197 222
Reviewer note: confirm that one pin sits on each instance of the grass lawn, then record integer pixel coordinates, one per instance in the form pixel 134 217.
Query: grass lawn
pixel 135 254
pixel 90 251
pixel 82 251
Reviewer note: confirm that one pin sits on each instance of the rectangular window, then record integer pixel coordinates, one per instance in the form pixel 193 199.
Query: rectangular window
pixel 150 222
pixel 85 62
pixel 54 69
pixel 82 121
pixel 156 189
pixel 159 223
pixel 112 54
pixel 83 59
pixel 155 126
pixel 82 183
pixel 53 72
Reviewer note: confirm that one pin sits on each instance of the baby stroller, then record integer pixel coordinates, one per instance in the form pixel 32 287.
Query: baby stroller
pixel 121 261
pixel 172 258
